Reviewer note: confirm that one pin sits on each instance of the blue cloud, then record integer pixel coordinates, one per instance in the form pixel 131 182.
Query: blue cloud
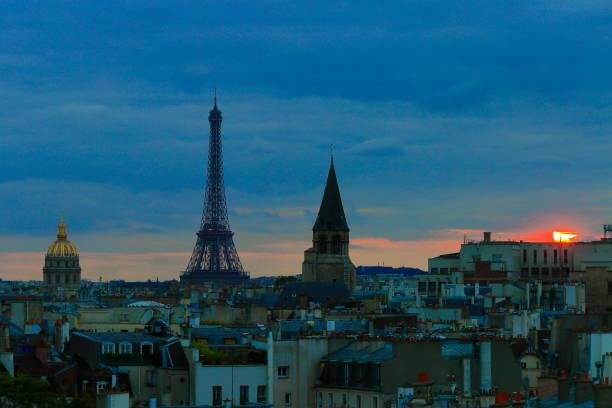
pixel 428 104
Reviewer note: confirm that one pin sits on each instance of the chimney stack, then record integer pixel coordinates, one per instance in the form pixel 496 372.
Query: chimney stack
pixel 485 367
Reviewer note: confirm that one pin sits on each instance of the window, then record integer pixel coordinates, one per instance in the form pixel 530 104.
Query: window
pixel 283 371
pixel 347 373
pixel 344 400
pixel 146 349
pixel 555 256
pixel 544 271
pixel 565 256
pixel 108 348
pixel 524 256
pixel 287 399
pixel 101 386
pixel 336 245
pixel 216 395
pixel 67 279
pixel 374 402
pixel 244 394
pixel 545 257
pixel 323 244
pixel 377 374
pixel 609 287
pixel 319 400
pixel 330 400
pixel 443 271
pixel 434 270
pixel 123 317
pixel 261 394
pixel 422 287
pixel 125 348
pixel 358 401
pixel 535 271
pixel 535 256
pixel 151 378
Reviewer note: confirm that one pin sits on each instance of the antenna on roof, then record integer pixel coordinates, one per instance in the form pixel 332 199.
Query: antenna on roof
pixel 331 152
pixel 215 96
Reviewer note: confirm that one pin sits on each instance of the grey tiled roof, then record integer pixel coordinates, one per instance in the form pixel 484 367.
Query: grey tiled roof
pixel 116 337
pixel 358 353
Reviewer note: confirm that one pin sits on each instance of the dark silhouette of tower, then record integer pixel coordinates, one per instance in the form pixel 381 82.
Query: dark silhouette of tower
pixel 214 257
pixel 328 260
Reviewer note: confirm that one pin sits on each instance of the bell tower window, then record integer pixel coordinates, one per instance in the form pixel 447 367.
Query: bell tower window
pixel 336 245
pixel 322 244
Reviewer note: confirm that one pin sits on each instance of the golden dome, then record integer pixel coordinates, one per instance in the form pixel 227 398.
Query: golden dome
pixel 61 247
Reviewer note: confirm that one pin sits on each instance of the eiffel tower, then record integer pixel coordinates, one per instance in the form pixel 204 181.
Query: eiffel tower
pixel 214 257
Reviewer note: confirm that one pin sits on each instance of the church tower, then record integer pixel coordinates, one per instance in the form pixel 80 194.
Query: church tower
pixel 62 268
pixel 328 259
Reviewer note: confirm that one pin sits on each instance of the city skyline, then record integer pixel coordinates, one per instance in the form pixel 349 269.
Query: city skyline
pixel 460 124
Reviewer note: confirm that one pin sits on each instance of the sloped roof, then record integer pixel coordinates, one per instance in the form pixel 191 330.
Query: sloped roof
pixel 323 293
pixel 331 213
pixel 358 353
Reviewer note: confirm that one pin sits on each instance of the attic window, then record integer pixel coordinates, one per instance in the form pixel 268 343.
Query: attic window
pixel 101 386
pixel 146 349
pixel 108 348
pixel 125 348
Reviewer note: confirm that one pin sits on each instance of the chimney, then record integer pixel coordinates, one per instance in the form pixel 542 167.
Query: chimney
pixel 487 236
pixel 57 337
pixel 485 367
pixel 467 377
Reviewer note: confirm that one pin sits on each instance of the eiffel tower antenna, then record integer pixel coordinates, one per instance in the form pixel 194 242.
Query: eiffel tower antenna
pixel 214 257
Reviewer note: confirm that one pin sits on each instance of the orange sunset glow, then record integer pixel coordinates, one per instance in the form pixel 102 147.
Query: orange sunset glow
pixel 563 236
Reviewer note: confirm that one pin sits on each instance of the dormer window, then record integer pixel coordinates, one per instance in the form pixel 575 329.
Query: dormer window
pixel 125 348
pixel 146 349
pixel 108 348
pixel 101 386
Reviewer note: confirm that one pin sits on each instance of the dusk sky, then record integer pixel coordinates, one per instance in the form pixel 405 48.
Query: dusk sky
pixel 447 118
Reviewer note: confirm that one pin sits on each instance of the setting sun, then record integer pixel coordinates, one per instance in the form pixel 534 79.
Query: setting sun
pixel 563 236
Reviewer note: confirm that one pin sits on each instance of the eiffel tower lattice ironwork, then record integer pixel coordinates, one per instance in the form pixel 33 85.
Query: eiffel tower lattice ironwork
pixel 214 257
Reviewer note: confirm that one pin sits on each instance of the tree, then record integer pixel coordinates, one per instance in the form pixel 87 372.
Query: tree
pixel 24 391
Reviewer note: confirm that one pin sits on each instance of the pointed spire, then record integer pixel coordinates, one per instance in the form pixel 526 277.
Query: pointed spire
pixel 61 229
pixel 331 213
pixel 215 113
